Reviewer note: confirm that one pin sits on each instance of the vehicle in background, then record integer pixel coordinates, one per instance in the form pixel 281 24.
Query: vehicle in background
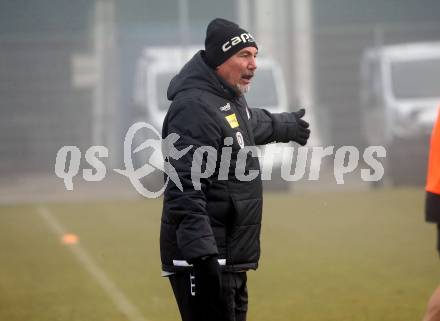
pixel 158 65
pixel 400 96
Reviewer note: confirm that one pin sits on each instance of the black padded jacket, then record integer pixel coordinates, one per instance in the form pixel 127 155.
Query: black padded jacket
pixel 223 217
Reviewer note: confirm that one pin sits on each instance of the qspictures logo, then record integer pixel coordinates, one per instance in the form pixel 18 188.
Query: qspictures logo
pixel 157 161
pixel 163 153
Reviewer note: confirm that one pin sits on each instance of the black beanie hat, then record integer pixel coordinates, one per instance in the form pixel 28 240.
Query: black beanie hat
pixel 223 39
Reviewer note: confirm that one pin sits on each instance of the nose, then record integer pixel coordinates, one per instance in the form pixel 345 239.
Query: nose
pixel 253 63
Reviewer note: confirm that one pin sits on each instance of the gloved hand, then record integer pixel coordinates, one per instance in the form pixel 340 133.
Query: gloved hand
pixel 207 275
pixel 303 131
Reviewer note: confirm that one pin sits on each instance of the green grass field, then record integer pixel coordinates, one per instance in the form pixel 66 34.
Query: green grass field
pixel 332 256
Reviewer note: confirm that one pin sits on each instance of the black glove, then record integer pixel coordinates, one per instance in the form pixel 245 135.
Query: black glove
pixel 303 131
pixel 207 275
pixel 289 127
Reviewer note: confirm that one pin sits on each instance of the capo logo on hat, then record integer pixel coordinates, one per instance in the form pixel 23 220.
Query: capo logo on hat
pixel 223 39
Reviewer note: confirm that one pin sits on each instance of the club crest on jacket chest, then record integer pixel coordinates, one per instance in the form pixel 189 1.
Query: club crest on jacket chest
pixel 240 139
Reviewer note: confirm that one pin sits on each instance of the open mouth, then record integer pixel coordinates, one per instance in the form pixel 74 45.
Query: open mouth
pixel 247 78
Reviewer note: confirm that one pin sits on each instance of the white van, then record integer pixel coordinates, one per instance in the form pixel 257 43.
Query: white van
pixel 400 96
pixel 158 65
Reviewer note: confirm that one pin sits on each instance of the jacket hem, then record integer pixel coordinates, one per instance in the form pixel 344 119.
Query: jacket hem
pixel 225 268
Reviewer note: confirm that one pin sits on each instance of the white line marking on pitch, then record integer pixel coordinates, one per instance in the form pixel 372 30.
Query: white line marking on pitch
pixel 117 296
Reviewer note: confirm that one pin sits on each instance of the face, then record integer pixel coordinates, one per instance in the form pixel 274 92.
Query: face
pixel 239 69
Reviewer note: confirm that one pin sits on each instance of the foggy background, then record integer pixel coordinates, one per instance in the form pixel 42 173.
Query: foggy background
pixel 68 70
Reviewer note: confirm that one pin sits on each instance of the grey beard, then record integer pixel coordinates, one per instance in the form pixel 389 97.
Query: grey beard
pixel 243 89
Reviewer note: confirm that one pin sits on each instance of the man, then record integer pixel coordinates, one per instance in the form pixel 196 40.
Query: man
pixel 210 236
pixel 432 208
